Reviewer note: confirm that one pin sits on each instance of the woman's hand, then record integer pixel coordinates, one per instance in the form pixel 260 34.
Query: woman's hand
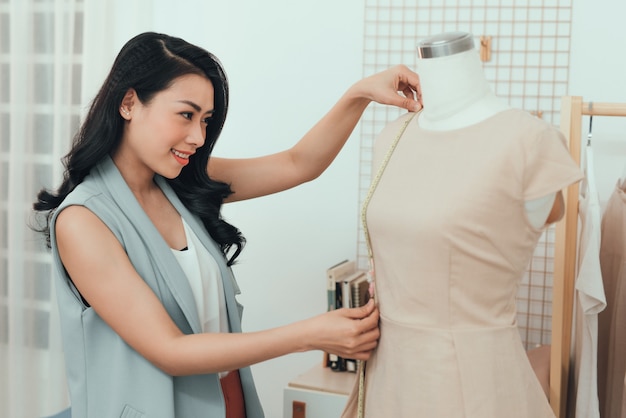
pixel 385 88
pixel 349 333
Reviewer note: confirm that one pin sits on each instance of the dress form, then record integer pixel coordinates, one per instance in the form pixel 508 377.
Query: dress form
pixel 456 94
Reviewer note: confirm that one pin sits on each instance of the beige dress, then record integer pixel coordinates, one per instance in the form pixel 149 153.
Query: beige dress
pixel 451 242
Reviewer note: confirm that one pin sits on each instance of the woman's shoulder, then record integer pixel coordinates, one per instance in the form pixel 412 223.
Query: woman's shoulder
pixel 90 196
pixel 84 193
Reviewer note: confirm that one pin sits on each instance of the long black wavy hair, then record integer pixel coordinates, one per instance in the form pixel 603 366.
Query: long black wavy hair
pixel 149 63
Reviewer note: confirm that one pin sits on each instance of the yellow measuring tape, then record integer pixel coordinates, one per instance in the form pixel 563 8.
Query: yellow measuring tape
pixel 370 193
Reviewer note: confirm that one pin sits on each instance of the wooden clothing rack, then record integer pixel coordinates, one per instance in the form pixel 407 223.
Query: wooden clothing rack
pixel 572 110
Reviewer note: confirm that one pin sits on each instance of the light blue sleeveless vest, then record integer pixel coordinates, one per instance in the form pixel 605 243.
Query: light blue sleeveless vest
pixel 106 377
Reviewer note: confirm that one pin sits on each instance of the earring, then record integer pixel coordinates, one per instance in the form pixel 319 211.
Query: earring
pixel 126 112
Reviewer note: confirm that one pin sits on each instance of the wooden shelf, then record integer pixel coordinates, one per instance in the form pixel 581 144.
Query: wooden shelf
pixel 323 379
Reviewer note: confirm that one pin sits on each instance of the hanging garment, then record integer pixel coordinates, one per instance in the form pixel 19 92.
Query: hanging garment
pixel 612 322
pixel 451 242
pixel 589 299
pixel 624 399
pixel 622 181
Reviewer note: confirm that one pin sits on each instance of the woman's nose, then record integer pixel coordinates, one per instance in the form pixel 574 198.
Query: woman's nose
pixel 196 136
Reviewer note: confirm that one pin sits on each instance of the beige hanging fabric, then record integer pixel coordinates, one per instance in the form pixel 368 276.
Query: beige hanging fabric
pixel 612 322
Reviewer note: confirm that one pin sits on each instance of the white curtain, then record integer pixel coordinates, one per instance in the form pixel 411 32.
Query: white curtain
pixel 54 54
pixel 40 79
pixel 40 92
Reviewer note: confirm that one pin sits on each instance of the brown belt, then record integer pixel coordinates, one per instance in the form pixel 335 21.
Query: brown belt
pixel 233 395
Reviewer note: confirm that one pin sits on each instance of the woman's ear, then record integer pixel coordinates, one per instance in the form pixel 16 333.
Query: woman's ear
pixel 128 101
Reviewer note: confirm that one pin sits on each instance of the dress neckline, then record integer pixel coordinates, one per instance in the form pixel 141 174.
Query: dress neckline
pixel 470 127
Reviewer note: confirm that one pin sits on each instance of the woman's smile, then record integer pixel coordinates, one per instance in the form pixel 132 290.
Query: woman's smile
pixel 181 157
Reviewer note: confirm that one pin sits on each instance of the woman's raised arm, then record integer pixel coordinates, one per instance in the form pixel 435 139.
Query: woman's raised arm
pixel 311 155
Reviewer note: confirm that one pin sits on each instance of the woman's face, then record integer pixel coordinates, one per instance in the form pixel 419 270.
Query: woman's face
pixel 161 135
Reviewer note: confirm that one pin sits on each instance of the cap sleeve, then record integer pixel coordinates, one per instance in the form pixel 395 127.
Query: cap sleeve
pixel 550 167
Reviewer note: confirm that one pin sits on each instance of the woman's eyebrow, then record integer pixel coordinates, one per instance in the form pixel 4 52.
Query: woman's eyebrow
pixel 195 106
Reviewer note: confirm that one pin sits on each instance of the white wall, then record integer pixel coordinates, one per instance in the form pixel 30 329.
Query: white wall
pixel 598 74
pixel 287 64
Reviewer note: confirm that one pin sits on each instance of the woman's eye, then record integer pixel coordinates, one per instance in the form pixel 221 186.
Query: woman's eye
pixel 207 120
pixel 187 115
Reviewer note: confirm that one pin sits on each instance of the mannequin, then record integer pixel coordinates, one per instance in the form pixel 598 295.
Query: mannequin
pixel 454 90
pixel 449 242
pixel 456 94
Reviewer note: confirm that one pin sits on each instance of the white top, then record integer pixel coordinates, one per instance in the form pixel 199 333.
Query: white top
pixel 590 299
pixel 205 280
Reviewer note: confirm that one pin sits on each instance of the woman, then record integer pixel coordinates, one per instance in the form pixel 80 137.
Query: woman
pixel 149 318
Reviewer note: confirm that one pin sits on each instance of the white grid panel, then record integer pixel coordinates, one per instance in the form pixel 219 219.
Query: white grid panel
pixel 529 68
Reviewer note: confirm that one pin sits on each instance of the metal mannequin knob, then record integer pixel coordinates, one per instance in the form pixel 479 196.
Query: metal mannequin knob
pixel 445 44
